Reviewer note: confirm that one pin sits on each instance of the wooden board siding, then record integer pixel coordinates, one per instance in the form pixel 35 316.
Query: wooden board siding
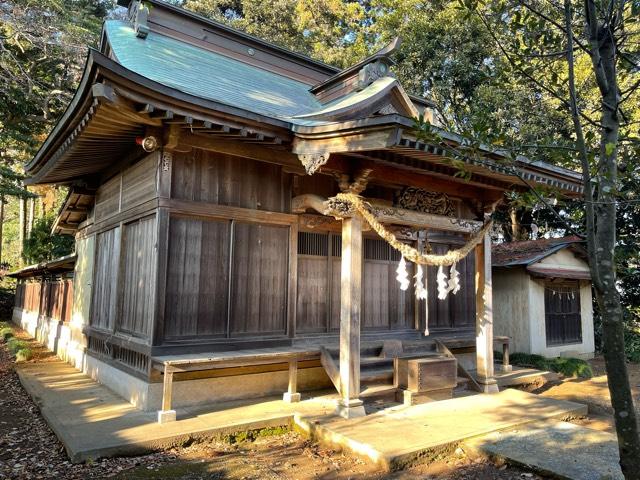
pixel 107 199
pixel 238 182
pixel 212 259
pixel 133 186
pixel 138 277
pixel 384 305
pixel 52 297
pixel 197 278
pixel 139 182
pixel 259 279
pixel 105 281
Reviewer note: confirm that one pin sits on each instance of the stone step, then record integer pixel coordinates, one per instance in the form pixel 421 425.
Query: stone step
pixel 558 449
pixel 399 437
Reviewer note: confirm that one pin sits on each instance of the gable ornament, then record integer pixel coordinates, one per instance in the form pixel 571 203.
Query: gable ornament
pixel 313 161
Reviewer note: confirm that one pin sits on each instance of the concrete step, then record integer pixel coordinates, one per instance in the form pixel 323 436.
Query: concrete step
pixel 399 437
pixel 558 449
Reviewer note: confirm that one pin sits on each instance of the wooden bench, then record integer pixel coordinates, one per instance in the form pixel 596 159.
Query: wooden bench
pixel 171 364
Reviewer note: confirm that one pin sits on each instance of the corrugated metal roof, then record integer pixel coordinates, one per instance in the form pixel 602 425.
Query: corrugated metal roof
pixel 209 75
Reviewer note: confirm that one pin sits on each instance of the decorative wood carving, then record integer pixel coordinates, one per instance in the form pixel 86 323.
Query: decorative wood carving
pixel 413 198
pixel 385 214
pixel 320 222
pixel 138 15
pixel 313 161
pixel 166 161
pixel 373 71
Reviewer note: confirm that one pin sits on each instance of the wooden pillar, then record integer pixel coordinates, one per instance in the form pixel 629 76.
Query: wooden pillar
pixel 292 395
pixel 484 317
pixel 167 414
pixel 350 405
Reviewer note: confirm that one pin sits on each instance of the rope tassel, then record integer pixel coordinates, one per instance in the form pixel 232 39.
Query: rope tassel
pixel 402 274
pixel 443 286
pixel 454 280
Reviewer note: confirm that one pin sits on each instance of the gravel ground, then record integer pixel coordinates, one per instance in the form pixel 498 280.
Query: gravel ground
pixel 30 450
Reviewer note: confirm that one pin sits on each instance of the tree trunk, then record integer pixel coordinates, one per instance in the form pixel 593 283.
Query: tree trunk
pixel 602 235
pixel 32 208
pixel 1 224
pixel 22 229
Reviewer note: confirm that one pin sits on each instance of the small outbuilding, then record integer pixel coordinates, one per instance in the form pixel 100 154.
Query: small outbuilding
pixel 542 297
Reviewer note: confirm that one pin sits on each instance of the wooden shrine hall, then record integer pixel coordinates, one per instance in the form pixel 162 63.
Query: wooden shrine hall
pixel 241 209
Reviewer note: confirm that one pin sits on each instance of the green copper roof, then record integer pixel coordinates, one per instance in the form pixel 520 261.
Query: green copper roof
pixel 210 75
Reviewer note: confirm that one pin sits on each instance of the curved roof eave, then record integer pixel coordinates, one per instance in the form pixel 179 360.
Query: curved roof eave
pixel 97 63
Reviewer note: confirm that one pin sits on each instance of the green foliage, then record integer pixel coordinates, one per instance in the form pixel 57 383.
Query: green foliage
pixel 6 333
pixel 632 341
pixel 333 31
pixel 252 435
pixel 570 367
pixel 42 245
pixel 24 354
pixel 15 344
pixel 6 300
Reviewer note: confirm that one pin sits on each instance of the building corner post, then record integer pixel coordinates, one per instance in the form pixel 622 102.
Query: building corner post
pixel 484 317
pixel 349 404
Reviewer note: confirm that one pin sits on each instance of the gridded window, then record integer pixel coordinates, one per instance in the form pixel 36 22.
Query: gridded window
pixel 562 313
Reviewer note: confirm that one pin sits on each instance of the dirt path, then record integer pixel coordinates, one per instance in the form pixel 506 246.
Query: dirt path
pixel 30 450
pixel 595 393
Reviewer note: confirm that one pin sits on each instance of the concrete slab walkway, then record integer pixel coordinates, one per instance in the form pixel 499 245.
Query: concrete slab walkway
pixel 400 436
pixel 560 449
pixel 92 421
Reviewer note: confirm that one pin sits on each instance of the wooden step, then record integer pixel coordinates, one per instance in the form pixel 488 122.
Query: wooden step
pixel 376 375
pixel 372 362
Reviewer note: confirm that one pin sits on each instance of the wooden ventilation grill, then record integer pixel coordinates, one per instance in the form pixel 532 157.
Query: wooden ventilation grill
pixel 313 244
pixel 377 249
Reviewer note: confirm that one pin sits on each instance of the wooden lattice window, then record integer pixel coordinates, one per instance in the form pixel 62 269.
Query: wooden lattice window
pixel 562 313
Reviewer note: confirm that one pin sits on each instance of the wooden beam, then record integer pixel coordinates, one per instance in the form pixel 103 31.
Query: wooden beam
pixel 391 215
pixel 252 151
pixel 484 317
pixel 353 141
pixel 350 405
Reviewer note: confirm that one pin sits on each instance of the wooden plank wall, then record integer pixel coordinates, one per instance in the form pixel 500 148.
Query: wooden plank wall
pixel 137 283
pixel 213 261
pixel 127 189
pixel 52 297
pixel 455 311
pixel 226 277
pixel 225 180
pixel 124 283
pixel 385 306
pixel 197 278
pixel 105 281
pixel 318 309
pixel 259 279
